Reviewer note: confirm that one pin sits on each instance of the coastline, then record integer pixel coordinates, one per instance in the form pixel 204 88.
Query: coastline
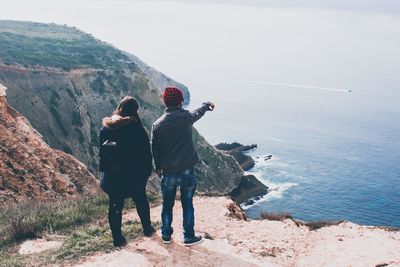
pixel 250 188
pixel 251 191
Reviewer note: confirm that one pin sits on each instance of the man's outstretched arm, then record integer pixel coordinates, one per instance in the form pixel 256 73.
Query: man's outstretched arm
pixel 196 114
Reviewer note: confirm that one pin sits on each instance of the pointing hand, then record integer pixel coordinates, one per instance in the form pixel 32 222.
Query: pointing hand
pixel 211 106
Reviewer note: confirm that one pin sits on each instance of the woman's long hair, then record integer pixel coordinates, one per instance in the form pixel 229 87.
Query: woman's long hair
pixel 128 107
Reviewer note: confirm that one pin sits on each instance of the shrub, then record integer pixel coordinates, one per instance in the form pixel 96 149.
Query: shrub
pixel 76 118
pixel 319 224
pixel 276 216
pixel 58 119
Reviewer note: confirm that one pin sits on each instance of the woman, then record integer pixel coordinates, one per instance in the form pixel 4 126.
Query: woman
pixel 125 129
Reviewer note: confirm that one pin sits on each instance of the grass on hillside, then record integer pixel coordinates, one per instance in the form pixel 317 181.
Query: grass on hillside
pixel 53 45
pixel 31 219
pixel 87 241
pixel 83 221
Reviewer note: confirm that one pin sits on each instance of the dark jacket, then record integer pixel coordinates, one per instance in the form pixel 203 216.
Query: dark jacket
pixel 136 158
pixel 172 144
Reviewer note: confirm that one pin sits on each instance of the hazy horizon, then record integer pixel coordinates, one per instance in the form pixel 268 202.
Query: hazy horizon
pixel 323 47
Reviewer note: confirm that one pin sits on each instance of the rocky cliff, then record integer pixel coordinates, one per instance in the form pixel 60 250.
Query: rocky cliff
pixel 65 81
pixel 238 152
pixel 30 169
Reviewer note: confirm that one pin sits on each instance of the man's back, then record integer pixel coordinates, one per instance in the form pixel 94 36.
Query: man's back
pixel 175 156
pixel 172 143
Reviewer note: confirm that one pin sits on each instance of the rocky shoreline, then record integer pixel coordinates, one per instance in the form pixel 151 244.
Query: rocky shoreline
pixel 237 151
pixel 249 188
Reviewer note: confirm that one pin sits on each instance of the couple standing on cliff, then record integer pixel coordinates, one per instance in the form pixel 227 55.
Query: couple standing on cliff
pixel 174 156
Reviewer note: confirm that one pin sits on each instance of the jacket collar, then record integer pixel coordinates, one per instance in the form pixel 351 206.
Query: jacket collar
pixel 117 121
pixel 172 109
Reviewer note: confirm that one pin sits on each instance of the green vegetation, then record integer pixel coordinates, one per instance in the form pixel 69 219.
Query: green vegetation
pixel 83 221
pixel 123 83
pixel 86 241
pixel 116 80
pixel 98 84
pixel 57 117
pixel 94 136
pixel 29 220
pixel 10 260
pixel 55 97
pixel 70 93
pixel 67 149
pixel 53 45
pixel 76 119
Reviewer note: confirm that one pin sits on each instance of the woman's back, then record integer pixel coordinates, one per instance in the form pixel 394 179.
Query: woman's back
pixel 129 147
pixel 135 160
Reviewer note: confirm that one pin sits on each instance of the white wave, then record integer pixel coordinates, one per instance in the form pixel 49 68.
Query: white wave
pixel 275 191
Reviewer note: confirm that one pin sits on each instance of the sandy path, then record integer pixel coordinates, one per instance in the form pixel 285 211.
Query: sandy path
pixel 255 243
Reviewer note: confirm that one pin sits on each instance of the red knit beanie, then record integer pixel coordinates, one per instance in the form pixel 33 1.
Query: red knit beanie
pixel 172 97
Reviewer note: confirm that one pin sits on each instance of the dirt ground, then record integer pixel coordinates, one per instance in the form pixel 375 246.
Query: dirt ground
pixel 234 242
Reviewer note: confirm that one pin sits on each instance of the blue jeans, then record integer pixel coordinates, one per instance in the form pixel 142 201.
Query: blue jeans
pixel 186 180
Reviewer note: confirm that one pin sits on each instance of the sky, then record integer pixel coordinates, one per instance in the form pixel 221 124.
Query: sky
pixel 381 6
pixel 340 44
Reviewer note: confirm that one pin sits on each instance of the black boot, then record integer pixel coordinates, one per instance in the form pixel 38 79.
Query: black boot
pixel 148 230
pixel 115 221
pixel 119 242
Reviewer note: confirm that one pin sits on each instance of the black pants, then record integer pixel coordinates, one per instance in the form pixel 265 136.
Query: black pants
pixel 116 203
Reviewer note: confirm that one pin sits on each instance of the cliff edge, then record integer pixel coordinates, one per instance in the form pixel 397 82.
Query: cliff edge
pixel 233 241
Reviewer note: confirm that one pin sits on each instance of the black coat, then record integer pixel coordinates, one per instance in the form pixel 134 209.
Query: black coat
pixel 136 165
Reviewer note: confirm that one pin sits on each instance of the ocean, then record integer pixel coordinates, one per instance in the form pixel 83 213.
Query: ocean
pixel 333 157
pixel 335 154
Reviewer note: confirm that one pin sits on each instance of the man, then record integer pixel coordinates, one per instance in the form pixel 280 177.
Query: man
pixel 175 157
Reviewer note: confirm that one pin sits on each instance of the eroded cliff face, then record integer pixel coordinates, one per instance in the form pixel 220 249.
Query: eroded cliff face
pixel 30 169
pixel 65 81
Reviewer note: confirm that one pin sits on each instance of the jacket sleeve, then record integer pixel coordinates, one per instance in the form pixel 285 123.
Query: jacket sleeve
pixel 155 147
pixel 148 159
pixel 196 114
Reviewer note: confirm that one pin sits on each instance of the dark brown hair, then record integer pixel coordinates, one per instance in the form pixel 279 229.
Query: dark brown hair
pixel 128 107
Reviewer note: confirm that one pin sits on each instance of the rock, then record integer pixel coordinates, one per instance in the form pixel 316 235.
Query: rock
pixel 248 189
pixel 235 146
pixel 2 90
pixel 234 211
pixel 38 246
pixel 236 150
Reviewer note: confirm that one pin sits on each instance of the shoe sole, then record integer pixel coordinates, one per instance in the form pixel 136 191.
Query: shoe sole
pixel 167 242
pixel 195 243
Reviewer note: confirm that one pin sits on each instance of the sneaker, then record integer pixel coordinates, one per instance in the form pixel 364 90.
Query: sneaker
pixel 119 242
pixel 193 241
pixel 149 231
pixel 166 239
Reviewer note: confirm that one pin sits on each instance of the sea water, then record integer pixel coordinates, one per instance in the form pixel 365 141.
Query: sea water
pixel 334 157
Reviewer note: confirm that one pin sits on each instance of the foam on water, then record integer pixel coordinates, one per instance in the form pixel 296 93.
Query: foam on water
pixel 276 190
